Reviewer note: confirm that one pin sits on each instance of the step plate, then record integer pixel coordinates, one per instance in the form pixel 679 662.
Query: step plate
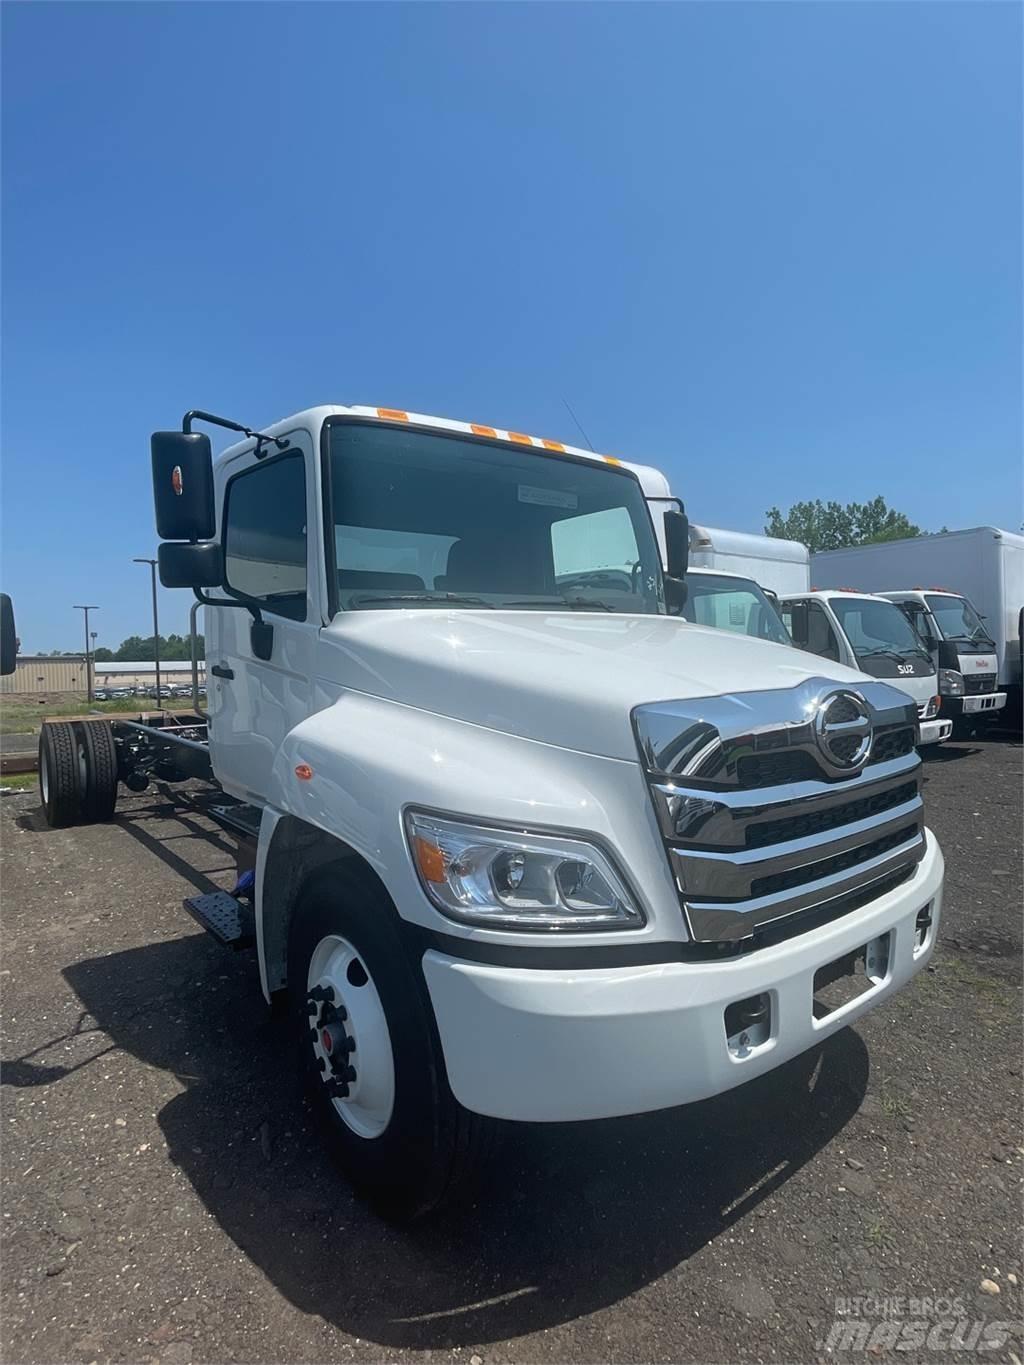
pixel 225 918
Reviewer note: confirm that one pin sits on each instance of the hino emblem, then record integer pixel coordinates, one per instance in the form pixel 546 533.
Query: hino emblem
pixel 842 728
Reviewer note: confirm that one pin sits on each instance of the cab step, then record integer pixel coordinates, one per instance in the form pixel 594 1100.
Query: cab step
pixel 239 818
pixel 228 920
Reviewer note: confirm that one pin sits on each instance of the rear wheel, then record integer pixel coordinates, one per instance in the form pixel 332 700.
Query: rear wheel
pixel 370 1050
pixel 61 773
pixel 100 795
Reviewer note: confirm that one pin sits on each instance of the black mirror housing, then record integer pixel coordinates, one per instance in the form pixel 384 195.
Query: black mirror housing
pixel 677 544
pixel 799 617
pixel 8 636
pixel 676 593
pixel 191 566
pixel 183 486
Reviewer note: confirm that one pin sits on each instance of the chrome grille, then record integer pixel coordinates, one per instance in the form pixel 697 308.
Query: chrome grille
pixel 760 823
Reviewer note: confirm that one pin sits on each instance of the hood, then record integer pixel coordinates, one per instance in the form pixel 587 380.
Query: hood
pixel 564 678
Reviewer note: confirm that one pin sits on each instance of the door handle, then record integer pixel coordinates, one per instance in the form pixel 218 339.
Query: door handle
pixel 222 671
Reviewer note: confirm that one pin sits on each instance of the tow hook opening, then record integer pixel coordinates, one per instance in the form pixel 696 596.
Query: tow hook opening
pixel 748 1023
pixel 922 928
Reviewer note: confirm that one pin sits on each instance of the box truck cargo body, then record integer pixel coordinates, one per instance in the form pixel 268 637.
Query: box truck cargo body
pixel 983 565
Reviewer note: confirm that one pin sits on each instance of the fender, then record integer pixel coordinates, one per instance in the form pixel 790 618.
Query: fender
pixel 344 776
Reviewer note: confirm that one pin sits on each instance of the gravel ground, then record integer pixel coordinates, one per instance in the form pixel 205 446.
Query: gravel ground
pixel 167 1198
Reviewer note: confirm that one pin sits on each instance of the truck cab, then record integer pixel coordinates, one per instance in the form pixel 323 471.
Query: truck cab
pixel 961 647
pixel 865 631
pixel 531 845
pixel 731 601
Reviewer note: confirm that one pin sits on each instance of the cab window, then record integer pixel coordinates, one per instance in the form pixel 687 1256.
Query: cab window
pixel 265 535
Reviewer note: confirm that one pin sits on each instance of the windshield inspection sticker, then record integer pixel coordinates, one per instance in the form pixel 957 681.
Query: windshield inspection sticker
pixel 548 497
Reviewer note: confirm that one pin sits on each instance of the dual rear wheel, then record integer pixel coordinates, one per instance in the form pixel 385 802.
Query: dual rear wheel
pixel 77 772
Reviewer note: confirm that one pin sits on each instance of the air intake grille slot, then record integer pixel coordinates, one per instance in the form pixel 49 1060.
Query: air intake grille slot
pixel 892 744
pixel 974 686
pixel 817 822
pixel 772 770
pixel 828 867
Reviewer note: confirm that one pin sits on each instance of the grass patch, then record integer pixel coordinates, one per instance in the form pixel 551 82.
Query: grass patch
pixel 25 715
pixel 19 781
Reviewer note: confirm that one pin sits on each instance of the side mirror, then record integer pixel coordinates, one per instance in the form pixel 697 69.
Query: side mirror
pixel 676 593
pixel 677 544
pixel 183 486
pixel 8 636
pixel 198 565
pixel 799 623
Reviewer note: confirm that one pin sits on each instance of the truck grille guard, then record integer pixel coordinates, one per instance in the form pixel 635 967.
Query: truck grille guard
pixel 775 805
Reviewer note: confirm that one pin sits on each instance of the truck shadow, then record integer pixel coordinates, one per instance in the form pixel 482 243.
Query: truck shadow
pixel 570 1218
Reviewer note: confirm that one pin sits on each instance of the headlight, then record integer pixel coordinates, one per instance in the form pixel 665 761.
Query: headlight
pixel 511 879
pixel 951 683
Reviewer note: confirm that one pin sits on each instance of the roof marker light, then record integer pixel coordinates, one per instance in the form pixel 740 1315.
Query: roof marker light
pixel 553 445
pixel 481 431
pixel 518 436
pixel 610 459
pixel 393 414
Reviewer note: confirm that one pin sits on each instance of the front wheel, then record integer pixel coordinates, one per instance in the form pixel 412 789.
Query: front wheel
pixel 370 1050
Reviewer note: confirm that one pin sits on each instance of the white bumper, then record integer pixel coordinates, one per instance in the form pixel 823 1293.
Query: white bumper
pixel 551 1045
pixel 934 731
pixel 985 701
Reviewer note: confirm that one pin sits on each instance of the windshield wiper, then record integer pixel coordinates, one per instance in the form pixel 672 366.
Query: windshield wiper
pixel 429 598
pixel 584 603
pixel 890 654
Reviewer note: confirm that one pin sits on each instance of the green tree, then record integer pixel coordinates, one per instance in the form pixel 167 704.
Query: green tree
pixel 173 648
pixel 833 526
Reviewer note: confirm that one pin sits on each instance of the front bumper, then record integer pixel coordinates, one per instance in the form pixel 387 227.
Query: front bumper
pixel 978 704
pixel 934 732
pixel 552 1045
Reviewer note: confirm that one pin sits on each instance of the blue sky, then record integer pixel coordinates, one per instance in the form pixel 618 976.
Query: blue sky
pixel 772 248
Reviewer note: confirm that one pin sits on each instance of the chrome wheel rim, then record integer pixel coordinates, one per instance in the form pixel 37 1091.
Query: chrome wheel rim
pixel 349 1034
pixel 44 777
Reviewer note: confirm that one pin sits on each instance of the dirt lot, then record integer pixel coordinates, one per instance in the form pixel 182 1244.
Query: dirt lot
pixel 166 1196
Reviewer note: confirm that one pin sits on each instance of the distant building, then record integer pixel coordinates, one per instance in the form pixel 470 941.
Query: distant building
pixel 39 674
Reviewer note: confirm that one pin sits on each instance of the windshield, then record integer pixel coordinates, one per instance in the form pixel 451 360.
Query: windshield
pixel 956 618
pixel 874 627
pixel 428 519
pixel 735 604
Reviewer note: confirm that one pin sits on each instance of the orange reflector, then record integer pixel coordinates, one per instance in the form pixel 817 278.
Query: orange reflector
pixel 610 459
pixel 303 772
pixel 395 414
pixel 553 445
pixel 430 860
pixel 482 431
pixel 518 436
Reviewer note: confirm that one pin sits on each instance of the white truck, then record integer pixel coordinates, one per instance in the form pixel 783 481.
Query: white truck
pixel 871 634
pixel 779 566
pixel 972 623
pixel 528 845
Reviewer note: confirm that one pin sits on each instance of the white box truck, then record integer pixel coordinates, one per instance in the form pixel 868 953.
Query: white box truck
pixel 527 844
pixel 964 592
pixel 872 634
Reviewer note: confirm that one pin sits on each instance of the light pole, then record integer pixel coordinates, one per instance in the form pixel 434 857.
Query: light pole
pixel 88 666
pixel 156 628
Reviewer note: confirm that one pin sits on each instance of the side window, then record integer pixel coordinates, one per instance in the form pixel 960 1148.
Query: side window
pixel 595 546
pixel 821 638
pixel 786 612
pixel 265 535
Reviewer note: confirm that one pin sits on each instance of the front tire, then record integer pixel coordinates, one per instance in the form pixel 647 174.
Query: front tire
pixel 370 1051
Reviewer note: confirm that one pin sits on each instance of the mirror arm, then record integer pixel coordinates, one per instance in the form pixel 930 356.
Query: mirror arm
pixel 261 439
pixel 200 596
